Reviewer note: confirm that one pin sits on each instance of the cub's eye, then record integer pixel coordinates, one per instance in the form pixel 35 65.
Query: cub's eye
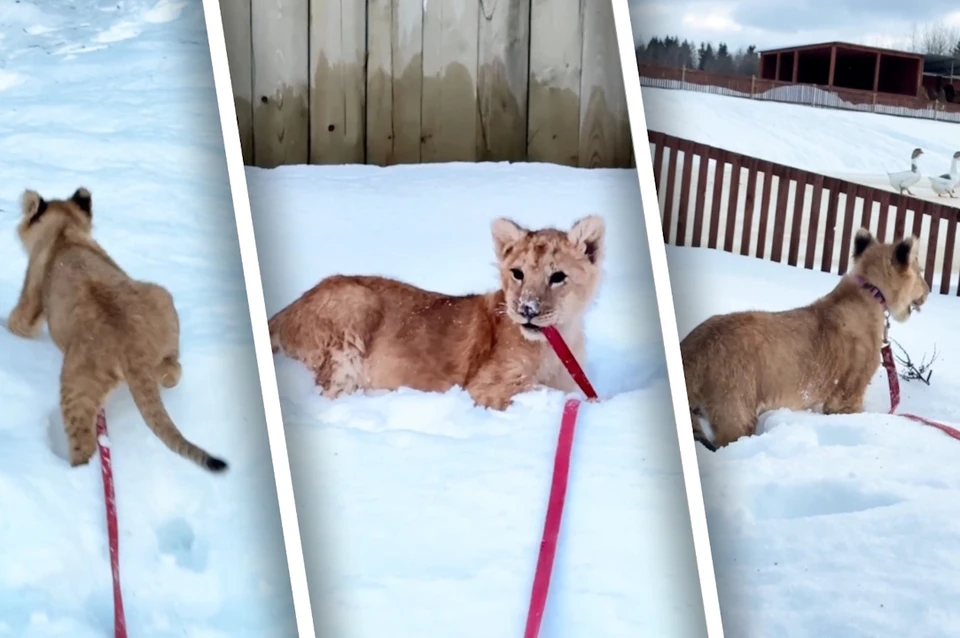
pixel 517 274
pixel 558 278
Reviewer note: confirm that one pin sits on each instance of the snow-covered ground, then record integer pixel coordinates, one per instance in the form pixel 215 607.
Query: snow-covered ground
pixel 849 145
pixel 119 97
pixel 421 514
pixel 836 526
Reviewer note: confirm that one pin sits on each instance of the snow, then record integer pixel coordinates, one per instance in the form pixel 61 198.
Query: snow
pixel 422 514
pixel 135 120
pixel 859 147
pixel 832 525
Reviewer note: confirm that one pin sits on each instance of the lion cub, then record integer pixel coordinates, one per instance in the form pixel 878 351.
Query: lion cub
pixel 110 328
pixel 818 357
pixel 372 333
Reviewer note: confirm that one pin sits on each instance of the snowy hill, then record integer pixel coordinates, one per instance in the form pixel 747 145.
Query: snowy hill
pixel 119 97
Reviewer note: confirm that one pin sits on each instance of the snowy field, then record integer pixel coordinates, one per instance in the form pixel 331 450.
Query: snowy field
pixel 857 147
pixel 835 526
pixel 119 97
pixel 422 514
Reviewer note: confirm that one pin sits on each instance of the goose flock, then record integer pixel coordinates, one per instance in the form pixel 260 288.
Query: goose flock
pixel 944 185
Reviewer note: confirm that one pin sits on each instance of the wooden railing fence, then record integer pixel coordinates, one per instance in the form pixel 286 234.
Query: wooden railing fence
pixel 740 204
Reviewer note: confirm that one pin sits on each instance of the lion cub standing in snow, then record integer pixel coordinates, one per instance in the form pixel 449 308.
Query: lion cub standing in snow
pixel 818 357
pixel 110 328
pixel 366 333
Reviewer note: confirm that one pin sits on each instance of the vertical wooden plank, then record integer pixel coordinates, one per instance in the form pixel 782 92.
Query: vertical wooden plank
pixel 338 89
pixel 799 200
pixel 394 81
pixel 765 194
pixel 702 153
pixel 604 123
pixel 780 219
pixel 683 212
pixel 946 265
pixel 237 30
pixel 657 163
pixel 748 205
pixel 900 221
pixel 281 82
pixel 830 226
pixel 813 226
pixel 918 215
pixel 850 201
pixel 867 194
pixel 556 48
pixel 671 184
pixel 932 236
pixel 733 201
pixel 450 125
pixel 502 78
pixel 883 213
pixel 716 199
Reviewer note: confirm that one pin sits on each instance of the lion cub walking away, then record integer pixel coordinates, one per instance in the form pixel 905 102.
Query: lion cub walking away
pixel 110 328
pixel 818 357
pixel 372 333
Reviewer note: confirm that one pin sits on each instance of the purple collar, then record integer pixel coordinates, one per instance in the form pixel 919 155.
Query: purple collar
pixel 873 290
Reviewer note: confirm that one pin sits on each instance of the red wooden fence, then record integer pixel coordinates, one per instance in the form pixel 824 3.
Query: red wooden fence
pixel 769 210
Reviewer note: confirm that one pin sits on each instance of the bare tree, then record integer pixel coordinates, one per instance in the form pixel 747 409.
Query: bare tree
pixel 934 38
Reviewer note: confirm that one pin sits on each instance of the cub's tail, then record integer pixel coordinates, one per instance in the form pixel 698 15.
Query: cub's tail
pixel 146 394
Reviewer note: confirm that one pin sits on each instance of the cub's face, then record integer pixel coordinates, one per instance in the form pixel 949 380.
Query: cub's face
pixel 549 277
pixel 39 214
pixel 895 269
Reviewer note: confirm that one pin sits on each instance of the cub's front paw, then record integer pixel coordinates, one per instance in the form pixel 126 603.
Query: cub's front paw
pixel 19 323
pixel 493 401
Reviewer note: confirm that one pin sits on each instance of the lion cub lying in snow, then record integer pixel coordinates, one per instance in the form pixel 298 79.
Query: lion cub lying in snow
pixel 110 328
pixel 372 333
pixel 818 357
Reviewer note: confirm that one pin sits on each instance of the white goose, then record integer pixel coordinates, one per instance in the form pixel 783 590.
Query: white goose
pixel 946 184
pixel 903 180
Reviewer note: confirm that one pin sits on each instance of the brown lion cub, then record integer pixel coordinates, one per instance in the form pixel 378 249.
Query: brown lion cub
pixel 372 333
pixel 110 328
pixel 819 357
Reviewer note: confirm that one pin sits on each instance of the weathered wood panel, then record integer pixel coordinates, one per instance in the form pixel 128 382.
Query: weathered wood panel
pixel 450 127
pixel 604 122
pixel 338 50
pixel 394 81
pixel 237 30
pixel 502 78
pixel 556 50
pixel 281 82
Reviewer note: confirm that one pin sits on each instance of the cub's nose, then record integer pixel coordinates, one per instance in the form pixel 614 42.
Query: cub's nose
pixel 529 309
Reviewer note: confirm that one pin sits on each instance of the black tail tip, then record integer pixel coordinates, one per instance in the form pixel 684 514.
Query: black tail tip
pixel 216 465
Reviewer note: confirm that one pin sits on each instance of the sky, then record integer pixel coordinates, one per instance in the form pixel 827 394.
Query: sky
pixel 778 23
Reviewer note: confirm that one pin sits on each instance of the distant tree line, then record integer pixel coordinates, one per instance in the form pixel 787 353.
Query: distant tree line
pixel 935 38
pixel 670 51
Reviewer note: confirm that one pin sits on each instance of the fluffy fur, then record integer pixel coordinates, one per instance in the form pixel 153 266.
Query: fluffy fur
pixel 110 328
pixel 373 333
pixel 818 357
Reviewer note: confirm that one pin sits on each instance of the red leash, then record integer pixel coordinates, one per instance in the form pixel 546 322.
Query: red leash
pixel 103 444
pixel 558 486
pixel 894 384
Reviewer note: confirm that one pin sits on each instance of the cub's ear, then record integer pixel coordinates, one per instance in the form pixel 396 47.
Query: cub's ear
pixel 588 234
pixel 81 197
pixel 861 241
pixel 905 252
pixel 506 233
pixel 32 205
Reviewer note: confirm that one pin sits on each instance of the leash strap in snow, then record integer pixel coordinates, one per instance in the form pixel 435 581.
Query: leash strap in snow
pixel 103 444
pixel 558 486
pixel 894 384
pixel 551 525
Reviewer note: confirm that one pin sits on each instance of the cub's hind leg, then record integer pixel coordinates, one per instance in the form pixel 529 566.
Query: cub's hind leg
pixel 84 387
pixel 329 330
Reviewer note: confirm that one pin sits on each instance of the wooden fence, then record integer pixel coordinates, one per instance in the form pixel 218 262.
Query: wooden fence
pixel 745 205
pixel 410 81
pixel 812 95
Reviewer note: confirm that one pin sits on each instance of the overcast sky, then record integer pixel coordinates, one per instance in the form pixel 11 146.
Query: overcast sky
pixel 775 23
